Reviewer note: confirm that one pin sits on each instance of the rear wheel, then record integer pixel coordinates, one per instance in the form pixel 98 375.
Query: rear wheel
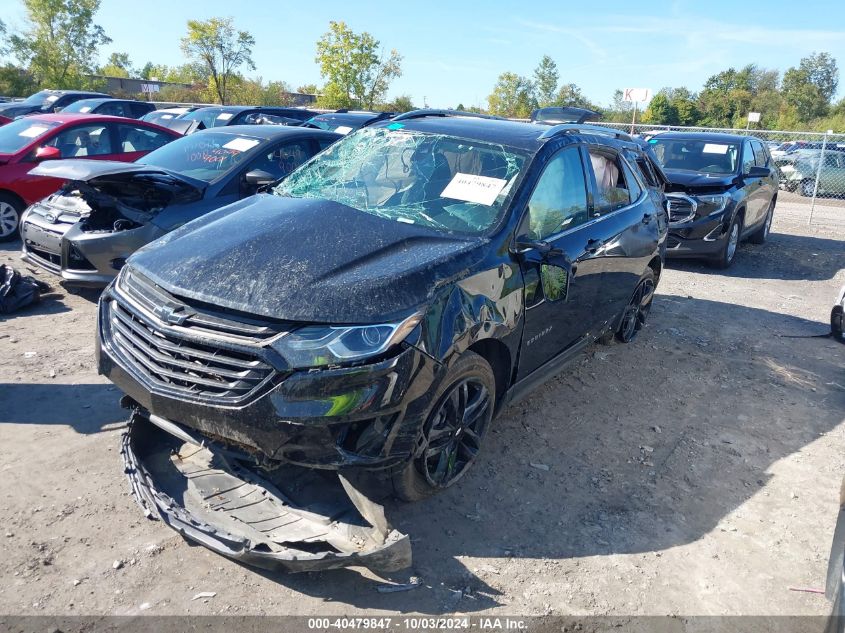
pixel 10 217
pixel 453 431
pixel 636 312
pixel 761 235
pixel 807 187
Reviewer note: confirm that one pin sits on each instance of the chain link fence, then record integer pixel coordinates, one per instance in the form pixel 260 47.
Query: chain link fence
pixel 811 165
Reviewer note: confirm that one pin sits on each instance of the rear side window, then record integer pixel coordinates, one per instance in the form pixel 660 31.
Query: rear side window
pixel 83 141
pixel 134 138
pixel 612 191
pixel 559 201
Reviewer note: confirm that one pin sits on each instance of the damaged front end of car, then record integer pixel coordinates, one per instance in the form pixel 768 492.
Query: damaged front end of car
pixel 101 215
pixel 292 520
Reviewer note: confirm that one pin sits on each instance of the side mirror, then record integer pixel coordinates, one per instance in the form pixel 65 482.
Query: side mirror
pixel 759 172
pixel 47 153
pixel 259 178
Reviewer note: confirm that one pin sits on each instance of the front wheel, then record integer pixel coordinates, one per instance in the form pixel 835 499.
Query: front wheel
pixel 807 187
pixel 726 256
pixel 636 312
pixel 453 431
pixel 10 217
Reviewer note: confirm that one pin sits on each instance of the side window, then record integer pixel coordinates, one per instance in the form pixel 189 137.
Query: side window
pixel 113 109
pixel 747 157
pixel 761 156
pixel 134 138
pixel 281 160
pixel 324 143
pixel 137 110
pixel 559 201
pixel 634 188
pixel 82 141
pixel 611 189
pixel 831 160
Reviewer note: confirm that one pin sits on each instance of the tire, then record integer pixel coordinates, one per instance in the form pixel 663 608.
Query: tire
pixel 636 312
pixel 449 434
pixel 837 323
pixel 761 235
pixel 728 254
pixel 11 209
pixel 806 188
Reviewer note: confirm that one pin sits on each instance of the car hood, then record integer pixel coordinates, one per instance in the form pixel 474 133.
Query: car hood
pixel 12 110
pixel 695 180
pixel 306 260
pixel 82 170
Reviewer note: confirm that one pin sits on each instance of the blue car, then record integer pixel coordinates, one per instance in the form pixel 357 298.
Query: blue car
pixel 107 210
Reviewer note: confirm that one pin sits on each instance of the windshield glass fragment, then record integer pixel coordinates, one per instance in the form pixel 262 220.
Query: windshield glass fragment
pixel 433 180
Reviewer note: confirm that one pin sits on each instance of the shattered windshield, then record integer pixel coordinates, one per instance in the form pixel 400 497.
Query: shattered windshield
pixel 711 157
pixel 204 156
pixel 433 180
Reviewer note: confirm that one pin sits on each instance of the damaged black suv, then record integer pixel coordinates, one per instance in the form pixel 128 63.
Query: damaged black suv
pixel 373 312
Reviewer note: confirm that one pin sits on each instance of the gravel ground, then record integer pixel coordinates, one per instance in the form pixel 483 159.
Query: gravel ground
pixel 695 471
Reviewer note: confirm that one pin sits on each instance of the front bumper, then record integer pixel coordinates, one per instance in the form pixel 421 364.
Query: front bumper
pixel 79 257
pixel 702 237
pixel 210 497
pixel 364 416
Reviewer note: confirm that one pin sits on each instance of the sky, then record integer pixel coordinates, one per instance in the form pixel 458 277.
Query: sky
pixel 454 52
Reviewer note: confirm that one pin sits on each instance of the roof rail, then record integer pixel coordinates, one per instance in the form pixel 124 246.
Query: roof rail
pixel 571 128
pixel 419 114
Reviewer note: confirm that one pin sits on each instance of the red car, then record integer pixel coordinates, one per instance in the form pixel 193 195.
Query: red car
pixel 29 140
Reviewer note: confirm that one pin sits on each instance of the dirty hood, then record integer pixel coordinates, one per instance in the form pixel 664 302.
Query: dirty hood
pixel 82 170
pixel 306 260
pixel 694 179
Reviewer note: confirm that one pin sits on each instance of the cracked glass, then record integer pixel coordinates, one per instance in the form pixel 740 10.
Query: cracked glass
pixel 433 180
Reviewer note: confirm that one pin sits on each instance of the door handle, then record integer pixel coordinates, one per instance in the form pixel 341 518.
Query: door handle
pixel 594 245
pixel 647 218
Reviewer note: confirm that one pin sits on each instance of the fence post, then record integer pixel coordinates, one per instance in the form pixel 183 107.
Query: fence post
pixel 818 174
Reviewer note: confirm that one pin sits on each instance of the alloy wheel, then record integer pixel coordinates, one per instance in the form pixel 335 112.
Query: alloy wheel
pixel 455 430
pixel 8 219
pixel 733 242
pixel 769 221
pixel 634 317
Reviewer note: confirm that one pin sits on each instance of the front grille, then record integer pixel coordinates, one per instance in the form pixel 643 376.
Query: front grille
pixel 204 357
pixel 681 208
pixel 50 260
pixel 174 363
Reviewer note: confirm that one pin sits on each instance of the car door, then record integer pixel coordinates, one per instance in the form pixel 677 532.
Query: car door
pixel 832 175
pixel 754 191
pixel 555 248
pixel 625 234
pixel 768 184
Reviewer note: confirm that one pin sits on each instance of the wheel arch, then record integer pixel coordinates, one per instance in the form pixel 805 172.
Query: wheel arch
pixel 14 196
pixel 498 356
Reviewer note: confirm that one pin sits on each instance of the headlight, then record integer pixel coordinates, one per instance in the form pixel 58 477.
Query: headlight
pixel 321 345
pixel 712 205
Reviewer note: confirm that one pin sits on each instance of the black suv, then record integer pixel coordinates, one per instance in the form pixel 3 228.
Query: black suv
pixel 723 189
pixel 45 102
pixel 379 306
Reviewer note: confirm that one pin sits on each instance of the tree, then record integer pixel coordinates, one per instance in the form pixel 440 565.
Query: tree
pixel 220 48
pixel 684 103
pixel 545 81
pixel 357 71
pixel 660 110
pixel 821 70
pixel 803 95
pixel 308 89
pixel 118 65
pixel 61 41
pixel 402 103
pixel 16 81
pixel 571 95
pixel 512 96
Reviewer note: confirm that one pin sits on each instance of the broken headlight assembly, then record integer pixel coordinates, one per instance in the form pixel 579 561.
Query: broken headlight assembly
pixel 323 346
pixel 713 204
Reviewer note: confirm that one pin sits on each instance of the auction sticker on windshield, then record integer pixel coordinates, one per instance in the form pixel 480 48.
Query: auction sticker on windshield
pixel 33 131
pixel 715 148
pixel 225 116
pixel 343 129
pixel 241 144
pixel 473 188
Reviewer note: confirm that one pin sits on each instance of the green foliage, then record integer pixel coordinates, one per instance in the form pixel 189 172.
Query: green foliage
pixel 357 72
pixel 513 96
pixel 571 95
pixel 661 110
pixel 16 81
pixel 402 103
pixel 221 49
pixel 60 44
pixel 308 89
pixel 546 77
pixel 118 65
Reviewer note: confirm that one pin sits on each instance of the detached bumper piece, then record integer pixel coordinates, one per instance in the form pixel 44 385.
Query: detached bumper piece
pixel 321 521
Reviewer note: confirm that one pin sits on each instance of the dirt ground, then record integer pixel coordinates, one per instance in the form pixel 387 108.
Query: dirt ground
pixel 696 471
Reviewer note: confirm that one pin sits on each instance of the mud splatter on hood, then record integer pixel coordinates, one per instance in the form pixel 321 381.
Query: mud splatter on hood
pixel 306 260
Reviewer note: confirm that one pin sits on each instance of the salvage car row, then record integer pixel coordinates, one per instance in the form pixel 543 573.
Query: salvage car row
pixel 283 300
